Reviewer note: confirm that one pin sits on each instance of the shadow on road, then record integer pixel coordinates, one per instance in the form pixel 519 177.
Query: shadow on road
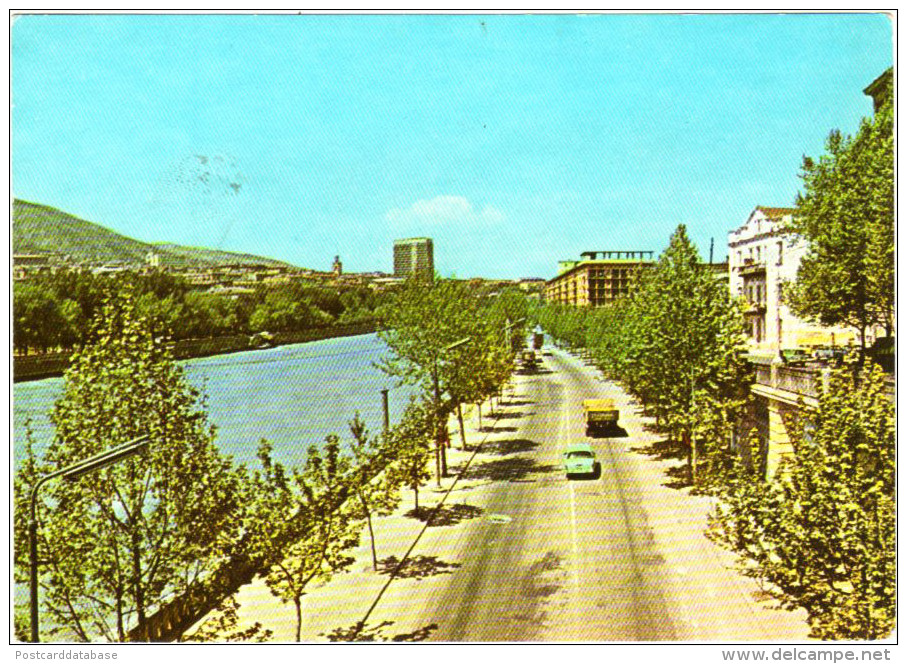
pixel 615 431
pixel 500 415
pixel 446 515
pixel 507 470
pixel 518 402
pixel 680 477
pixel 360 632
pixel 415 567
pixel 509 446
pixel 494 429
pixel 662 449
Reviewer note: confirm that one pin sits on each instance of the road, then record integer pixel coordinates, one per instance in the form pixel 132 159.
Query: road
pixel 535 557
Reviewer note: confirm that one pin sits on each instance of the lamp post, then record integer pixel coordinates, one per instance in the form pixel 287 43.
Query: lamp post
pixel 70 473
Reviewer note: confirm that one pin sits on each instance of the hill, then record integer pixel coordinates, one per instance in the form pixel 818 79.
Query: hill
pixel 39 229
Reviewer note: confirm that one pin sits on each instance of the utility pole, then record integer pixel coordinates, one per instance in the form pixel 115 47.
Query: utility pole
pixel 385 410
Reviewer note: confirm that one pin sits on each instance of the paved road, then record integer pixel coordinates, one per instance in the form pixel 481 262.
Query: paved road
pixel 618 558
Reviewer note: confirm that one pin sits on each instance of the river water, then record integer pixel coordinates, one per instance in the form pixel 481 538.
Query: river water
pixel 292 395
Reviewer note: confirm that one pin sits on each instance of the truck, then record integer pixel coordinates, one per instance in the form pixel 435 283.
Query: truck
pixel 537 340
pixel 600 416
pixel 529 360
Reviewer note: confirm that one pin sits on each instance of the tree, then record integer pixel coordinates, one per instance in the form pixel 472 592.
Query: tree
pixel 301 525
pixel 823 535
pixel 846 215
pixel 114 543
pixel 421 323
pixel 377 493
pixel 682 339
pixel 410 442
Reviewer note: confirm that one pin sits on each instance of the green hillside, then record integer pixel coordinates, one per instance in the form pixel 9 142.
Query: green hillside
pixel 39 229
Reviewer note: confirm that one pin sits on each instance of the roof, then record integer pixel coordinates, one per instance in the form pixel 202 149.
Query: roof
pixel 598 404
pixel 775 212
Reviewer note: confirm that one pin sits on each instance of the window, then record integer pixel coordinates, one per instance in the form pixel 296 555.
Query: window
pixel 780 252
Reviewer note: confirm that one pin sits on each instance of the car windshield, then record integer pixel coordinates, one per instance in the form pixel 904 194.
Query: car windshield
pixel 580 455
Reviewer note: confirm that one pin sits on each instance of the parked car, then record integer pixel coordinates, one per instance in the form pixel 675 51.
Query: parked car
pixel 829 354
pixel 579 459
pixel 795 357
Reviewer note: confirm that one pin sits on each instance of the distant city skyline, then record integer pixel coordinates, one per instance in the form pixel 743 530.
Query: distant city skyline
pixel 513 141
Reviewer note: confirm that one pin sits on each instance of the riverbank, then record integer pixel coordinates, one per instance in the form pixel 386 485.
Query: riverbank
pixel 49 365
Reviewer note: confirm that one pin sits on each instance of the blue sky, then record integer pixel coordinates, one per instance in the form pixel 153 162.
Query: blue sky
pixel 513 141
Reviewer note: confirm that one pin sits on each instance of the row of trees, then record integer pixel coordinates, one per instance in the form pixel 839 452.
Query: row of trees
pixel 117 544
pixel 453 341
pixel 676 344
pixel 54 311
pixel 822 535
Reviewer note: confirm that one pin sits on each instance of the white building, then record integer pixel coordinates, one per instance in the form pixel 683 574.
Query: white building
pixel 762 257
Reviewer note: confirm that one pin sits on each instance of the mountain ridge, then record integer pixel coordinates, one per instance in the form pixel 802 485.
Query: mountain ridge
pixel 66 238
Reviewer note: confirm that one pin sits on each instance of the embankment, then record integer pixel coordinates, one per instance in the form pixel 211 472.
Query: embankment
pixel 36 367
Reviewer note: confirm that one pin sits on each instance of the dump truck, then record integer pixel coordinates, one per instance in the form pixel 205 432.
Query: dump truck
pixel 600 415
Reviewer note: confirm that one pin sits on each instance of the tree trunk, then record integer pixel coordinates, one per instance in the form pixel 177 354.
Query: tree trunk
pixel 462 427
pixel 138 589
pixel 479 406
pixel 416 494
pixel 691 460
pixel 371 532
pixel 298 602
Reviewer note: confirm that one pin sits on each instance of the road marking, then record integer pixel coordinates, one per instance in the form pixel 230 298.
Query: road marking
pixel 499 518
pixel 573 534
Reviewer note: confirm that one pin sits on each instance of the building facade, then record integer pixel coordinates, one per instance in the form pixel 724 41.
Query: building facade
pixel 597 279
pixel 762 257
pixel 414 257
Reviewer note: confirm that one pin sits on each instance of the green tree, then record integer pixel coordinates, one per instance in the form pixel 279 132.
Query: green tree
pixel 377 493
pixel 114 543
pixel 421 323
pixel 846 215
pixel 301 525
pixel 823 535
pixel 411 443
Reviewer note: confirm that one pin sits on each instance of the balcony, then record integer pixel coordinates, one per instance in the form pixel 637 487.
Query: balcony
pixel 751 267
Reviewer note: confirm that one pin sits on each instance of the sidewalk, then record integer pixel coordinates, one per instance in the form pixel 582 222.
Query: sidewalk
pixel 335 607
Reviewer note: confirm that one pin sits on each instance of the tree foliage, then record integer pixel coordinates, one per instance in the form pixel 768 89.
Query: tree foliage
pixel 823 535
pixel 114 543
pixel 301 522
pixel 674 342
pixel 846 215
pixel 422 326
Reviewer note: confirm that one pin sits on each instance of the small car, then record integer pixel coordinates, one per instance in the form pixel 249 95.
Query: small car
pixel 579 459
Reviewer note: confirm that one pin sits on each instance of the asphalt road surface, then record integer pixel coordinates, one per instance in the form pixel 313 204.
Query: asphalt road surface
pixel 613 558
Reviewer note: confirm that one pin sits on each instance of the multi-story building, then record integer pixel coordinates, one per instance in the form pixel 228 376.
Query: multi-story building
pixel 763 256
pixel 598 278
pixel 414 257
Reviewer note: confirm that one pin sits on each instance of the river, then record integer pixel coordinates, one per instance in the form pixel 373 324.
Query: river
pixel 292 395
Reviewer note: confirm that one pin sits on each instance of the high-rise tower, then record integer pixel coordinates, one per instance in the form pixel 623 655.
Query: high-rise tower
pixel 414 257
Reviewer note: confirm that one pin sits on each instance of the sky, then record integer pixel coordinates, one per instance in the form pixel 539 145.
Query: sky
pixel 514 141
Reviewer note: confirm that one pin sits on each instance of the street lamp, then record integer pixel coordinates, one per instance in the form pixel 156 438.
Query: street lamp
pixel 70 473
